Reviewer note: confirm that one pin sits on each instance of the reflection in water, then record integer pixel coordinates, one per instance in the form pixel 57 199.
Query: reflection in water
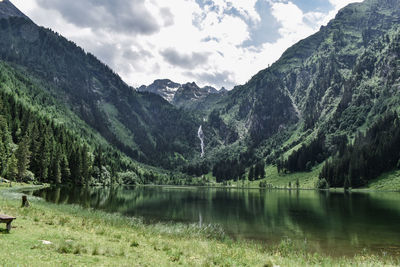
pixel 330 222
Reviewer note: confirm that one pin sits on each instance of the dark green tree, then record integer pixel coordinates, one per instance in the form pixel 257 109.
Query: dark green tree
pixel 251 173
pixel 12 168
pixel 23 155
pixel 65 171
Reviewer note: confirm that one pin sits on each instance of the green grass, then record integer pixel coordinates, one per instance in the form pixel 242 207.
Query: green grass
pixel 86 237
pixel 307 180
pixel 389 181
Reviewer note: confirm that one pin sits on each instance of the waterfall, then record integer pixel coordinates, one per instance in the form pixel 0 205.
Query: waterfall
pixel 200 134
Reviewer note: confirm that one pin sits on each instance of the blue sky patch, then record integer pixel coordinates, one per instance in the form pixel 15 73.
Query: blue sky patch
pixel 267 30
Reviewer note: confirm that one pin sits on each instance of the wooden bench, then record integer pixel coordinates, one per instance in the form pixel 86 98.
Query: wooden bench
pixel 7 219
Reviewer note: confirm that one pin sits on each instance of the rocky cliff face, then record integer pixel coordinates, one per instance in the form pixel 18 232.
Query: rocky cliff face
pixel 7 9
pixel 188 95
pixel 164 88
pixel 313 79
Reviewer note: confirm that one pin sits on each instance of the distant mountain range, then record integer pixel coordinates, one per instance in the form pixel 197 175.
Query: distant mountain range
pixel 186 95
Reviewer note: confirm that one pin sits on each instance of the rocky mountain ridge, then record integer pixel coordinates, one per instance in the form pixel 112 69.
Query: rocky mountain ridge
pixel 7 10
pixel 181 95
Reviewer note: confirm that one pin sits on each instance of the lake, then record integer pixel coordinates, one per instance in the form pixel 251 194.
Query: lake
pixel 333 223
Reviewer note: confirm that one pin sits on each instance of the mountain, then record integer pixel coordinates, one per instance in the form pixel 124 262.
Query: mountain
pixel 38 143
pixel 320 93
pixel 188 95
pixel 164 88
pixel 7 10
pixel 143 126
pixel 319 104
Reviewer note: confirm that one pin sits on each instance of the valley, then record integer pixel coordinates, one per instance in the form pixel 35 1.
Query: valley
pixel 297 114
pixel 297 166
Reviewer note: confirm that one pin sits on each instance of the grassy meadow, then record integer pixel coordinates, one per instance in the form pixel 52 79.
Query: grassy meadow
pixel 46 234
pixel 389 181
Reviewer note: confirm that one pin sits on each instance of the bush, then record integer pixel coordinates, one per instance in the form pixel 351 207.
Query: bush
pixel 263 184
pixel 134 244
pixel 29 176
pixel 129 177
pixel 309 166
pixel 227 183
pixel 322 184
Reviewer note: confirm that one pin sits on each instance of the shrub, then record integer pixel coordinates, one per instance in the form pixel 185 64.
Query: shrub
pixel 322 184
pixel 134 244
pixel 29 176
pixel 309 166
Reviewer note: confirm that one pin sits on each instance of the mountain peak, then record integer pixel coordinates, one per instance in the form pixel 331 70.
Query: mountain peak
pixel 7 10
pixel 178 94
pixel 163 87
pixel 223 90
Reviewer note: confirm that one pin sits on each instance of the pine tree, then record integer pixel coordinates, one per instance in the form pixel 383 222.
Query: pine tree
pixel 35 148
pixel 251 173
pixel 98 158
pixel 23 155
pixel 65 171
pixel 75 164
pixel 44 158
pixel 257 171
pixel 5 142
pixel 85 166
pixel 347 183
pixel 262 169
pixel 12 168
pixel 56 166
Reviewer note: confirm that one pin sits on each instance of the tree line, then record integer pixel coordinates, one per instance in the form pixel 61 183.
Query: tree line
pixel 374 152
pixel 304 158
pixel 33 148
pixel 235 169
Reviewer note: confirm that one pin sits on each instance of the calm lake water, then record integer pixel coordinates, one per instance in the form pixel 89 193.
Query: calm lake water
pixel 331 223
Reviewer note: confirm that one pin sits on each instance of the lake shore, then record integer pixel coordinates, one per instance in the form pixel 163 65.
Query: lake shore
pixel 46 234
pixel 239 187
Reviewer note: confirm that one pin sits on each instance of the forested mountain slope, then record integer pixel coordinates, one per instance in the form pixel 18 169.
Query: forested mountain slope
pixel 37 145
pixel 319 94
pixel 142 125
pixel 313 76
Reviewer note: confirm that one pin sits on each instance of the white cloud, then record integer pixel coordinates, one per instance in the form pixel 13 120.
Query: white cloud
pixel 227 30
pixel 247 8
pixel 292 20
pixel 211 36
pixel 338 4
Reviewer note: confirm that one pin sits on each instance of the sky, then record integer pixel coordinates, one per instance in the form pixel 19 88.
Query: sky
pixel 211 42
